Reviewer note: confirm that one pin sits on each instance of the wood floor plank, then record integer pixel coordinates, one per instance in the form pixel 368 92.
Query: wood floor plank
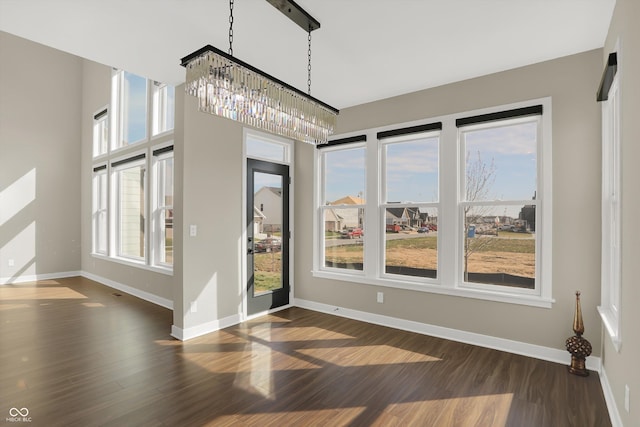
pixel 81 356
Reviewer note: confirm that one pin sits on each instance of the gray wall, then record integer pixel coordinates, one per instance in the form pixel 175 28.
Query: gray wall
pixel 40 96
pixel 571 82
pixel 621 368
pixel 212 200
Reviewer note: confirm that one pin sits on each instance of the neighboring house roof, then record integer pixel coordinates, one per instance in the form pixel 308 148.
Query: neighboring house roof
pixel 348 200
pixel 396 213
pixel 331 215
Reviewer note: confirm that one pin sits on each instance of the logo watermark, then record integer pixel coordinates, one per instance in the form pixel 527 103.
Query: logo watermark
pixel 18 415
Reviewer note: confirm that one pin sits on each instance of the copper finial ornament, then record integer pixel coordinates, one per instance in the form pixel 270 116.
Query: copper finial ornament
pixel 579 347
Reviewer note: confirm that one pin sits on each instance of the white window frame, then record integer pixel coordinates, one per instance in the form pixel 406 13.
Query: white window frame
pixel 157 235
pixel 449 216
pixel 319 263
pixel 611 284
pixel 160 109
pixel 101 132
pixel 100 173
pixel 118 111
pixel 462 204
pixel 404 204
pixel 116 239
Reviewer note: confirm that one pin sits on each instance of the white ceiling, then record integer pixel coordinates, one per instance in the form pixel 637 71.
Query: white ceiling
pixel 365 50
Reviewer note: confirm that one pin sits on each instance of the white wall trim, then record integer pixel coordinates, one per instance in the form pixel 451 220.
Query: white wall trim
pixel 516 347
pixel 205 328
pixel 147 296
pixel 610 400
pixel 36 277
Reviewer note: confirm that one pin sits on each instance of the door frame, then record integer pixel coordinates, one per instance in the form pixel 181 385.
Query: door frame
pixel 289 149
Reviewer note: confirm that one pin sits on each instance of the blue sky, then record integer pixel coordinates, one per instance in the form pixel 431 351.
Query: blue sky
pixel 136 111
pixel 412 166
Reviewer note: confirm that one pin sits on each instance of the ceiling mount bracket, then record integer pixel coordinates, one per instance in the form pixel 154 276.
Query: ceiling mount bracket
pixel 297 14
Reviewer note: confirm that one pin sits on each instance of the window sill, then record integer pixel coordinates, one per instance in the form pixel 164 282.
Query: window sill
pixel 529 300
pixel 611 325
pixel 156 269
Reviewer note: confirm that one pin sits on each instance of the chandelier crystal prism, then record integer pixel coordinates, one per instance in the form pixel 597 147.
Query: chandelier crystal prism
pixel 228 87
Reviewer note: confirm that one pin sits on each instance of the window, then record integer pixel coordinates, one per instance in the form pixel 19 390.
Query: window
pixel 99 210
pixel 100 133
pixel 459 205
pixel 410 204
pixel 163 108
pixel 163 206
pixel 498 202
pixel 342 210
pixel 611 233
pixel 130 224
pixel 129 101
pixel 129 185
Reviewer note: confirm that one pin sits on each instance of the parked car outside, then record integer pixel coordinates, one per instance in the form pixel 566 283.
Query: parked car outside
pixel 270 244
pixel 423 230
pixel 393 228
pixel 352 233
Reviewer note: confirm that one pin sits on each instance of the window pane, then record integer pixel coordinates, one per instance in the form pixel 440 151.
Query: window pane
pixel 131 212
pixel 501 162
pixel 268 221
pixel 411 241
pixel 165 210
pixel 344 238
pixel 344 175
pixel 260 149
pixel 499 245
pixel 100 135
pixel 134 105
pixel 163 107
pixel 100 212
pixel 412 170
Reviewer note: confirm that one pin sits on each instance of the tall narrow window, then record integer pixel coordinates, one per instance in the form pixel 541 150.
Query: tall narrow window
pixel 498 202
pixel 410 204
pixel 100 133
pixel 99 210
pixel 611 232
pixel 129 100
pixel 131 214
pixel 163 206
pixel 342 211
pixel 163 108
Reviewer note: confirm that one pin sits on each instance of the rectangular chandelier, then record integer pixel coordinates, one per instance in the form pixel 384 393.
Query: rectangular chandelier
pixel 228 87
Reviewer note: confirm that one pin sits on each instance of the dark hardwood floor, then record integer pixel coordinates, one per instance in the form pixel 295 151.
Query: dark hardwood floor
pixel 74 354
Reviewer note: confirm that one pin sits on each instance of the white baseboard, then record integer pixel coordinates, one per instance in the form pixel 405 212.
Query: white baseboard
pixel 516 347
pixel 614 414
pixel 36 277
pixel 205 328
pixel 147 296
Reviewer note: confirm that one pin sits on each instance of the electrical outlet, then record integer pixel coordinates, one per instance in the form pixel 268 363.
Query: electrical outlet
pixel 193 230
pixel 626 398
pixel 194 306
pixel 11 263
pixel 380 297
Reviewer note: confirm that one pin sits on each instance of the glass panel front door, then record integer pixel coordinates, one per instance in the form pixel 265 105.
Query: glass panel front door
pixel 267 235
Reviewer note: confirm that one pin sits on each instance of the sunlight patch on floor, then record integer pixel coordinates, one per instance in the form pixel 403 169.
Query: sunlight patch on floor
pixel 328 417
pixel 38 293
pixel 298 333
pixel 366 355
